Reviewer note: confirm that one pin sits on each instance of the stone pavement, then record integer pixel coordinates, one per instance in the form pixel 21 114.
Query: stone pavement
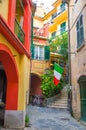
pixel 43 118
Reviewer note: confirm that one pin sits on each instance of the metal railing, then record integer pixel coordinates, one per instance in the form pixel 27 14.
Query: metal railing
pixel 59 11
pixel 19 32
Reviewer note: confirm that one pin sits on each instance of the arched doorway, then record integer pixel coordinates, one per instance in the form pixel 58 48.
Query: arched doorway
pixel 3 87
pixel 35 89
pixel 9 73
pixel 82 83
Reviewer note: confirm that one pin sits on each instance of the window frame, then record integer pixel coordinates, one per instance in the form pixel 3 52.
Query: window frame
pixel 80 31
pixel 62 28
pixel 37 52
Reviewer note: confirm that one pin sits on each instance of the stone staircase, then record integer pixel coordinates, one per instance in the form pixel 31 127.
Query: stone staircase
pixel 61 102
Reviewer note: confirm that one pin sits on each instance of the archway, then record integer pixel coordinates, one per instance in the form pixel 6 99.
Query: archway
pixel 3 86
pixel 10 69
pixel 82 83
pixel 35 89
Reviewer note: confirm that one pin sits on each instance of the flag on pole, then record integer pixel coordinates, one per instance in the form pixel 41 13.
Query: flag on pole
pixel 58 70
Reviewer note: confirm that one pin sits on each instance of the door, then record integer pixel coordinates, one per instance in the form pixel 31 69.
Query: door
pixel 83 100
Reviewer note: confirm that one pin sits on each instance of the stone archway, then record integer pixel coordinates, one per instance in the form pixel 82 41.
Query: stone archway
pixel 10 68
pixel 82 83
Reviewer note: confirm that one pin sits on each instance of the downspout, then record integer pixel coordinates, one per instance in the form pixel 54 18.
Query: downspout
pixel 69 62
pixel 32 16
pixel 69 58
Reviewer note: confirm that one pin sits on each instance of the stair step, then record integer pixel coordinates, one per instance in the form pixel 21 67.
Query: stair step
pixel 61 101
pixel 58 106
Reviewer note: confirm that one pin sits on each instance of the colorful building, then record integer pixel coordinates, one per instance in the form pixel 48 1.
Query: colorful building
pixel 77 23
pixel 58 17
pixel 40 54
pixel 46 25
pixel 15 37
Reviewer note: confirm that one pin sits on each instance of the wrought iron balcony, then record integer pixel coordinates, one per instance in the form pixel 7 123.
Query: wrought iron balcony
pixel 19 32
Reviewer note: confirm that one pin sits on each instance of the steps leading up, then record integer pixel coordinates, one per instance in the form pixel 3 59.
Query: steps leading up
pixel 61 102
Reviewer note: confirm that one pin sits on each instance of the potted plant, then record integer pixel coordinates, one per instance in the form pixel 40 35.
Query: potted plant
pixel 27 121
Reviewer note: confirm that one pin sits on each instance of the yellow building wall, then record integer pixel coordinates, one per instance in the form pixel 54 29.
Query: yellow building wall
pixel 38 66
pixel 23 67
pixel 4 9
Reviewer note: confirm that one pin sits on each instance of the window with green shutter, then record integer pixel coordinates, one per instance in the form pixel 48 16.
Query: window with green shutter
pixel 63 27
pixel 47 52
pixel 80 31
pixel 39 52
pixel 62 7
pixel 53 34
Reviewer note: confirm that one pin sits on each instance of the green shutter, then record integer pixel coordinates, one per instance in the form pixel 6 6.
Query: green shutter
pixel 80 31
pixel 47 52
pixel 62 7
pixel 63 27
pixel 32 50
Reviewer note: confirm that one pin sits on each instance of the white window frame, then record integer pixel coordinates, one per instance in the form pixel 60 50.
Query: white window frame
pixel 37 52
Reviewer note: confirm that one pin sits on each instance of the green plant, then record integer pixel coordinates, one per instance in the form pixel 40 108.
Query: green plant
pixel 48 87
pixel 60 45
pixel 27 120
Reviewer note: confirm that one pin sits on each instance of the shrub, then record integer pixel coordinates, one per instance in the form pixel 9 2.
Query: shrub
pixel 48 87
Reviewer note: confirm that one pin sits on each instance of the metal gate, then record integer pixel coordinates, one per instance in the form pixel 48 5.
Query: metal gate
pixel 82 82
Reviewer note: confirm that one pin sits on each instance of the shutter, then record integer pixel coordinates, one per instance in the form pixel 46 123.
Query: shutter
pixel 32 50
pixel 77 27
pixel 47 52
pixel 63 27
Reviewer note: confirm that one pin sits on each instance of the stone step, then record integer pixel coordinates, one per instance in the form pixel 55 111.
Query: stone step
pixel 63 104
pixel 61 99
pixel 58 107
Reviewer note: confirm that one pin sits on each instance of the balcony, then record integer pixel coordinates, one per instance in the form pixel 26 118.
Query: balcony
pixel 19 32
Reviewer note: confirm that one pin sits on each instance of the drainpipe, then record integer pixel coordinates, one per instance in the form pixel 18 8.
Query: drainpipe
pixel 69 58
pixel 32 17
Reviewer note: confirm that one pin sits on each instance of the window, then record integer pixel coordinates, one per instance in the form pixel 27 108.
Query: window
pixel 80 31
pixel 54 15
pixel 53 34
pixel 63 27
pixel 39 52
pixel 62 7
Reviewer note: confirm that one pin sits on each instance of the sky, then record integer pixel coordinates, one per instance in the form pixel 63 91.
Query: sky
pixel 47 3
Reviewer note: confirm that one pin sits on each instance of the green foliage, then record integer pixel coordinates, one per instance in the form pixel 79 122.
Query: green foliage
pixel 27 120
pixel 48 87
pixel 60 45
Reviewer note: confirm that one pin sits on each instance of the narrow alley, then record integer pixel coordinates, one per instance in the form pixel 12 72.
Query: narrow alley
pixel 42 118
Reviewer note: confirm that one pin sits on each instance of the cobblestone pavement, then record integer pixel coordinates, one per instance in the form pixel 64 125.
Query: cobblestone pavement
pixel 42 118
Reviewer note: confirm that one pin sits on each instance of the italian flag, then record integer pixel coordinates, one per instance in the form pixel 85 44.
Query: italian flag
pixel 58 70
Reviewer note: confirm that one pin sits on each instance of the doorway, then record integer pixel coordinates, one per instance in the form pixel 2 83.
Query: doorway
pixel 82 82
pixel 3 86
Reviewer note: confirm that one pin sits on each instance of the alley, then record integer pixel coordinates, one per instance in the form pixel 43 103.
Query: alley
pixel 42 118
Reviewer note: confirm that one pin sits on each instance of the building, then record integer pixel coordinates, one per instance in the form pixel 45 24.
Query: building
pixel 58 25
pixel 58 18
pixel 15 37
pixel 45 25
pixel 40 53
pixel 77 23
